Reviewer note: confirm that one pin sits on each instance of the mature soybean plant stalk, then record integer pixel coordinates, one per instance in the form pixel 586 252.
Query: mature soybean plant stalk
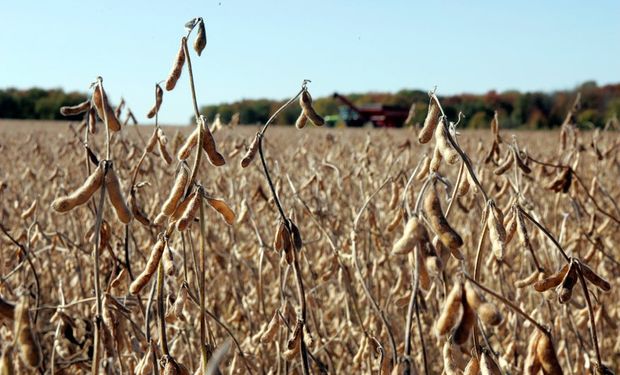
pixel 288 238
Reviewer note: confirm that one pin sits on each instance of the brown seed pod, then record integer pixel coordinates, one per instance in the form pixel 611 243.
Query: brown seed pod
pixel 565 289
pixel 305 100
pixel 137 211
pixel 190 212
pixel 520 163
pixel 178 212
pixel 272 329
pixel 452 311
pixel 510 223
pixel 116 282
pixel 528 280
pixel 150 144
pixel 163 152
pixel 104 111
pixel 82 194
pixel 463 186
pixel 435 162
pixel 294 344
pixel 201 37
pixel 176 192
pixel 150 268
pixel 76 109
pixel 29 349
pixel 28 212
pixel 505 165
pixel 394 197
pixel 92 120
pixel 301 121
pixel 547 356
pixel 524 237
pixel 413 234
pixel 177 68
pixel 424 169
pixel 488 365
pixel 188 146
pixel 443 144
pixel 497 232
pixel 531 365
pixel 297 241
pixel 430 122
pixel 116 198
pixel 251 152
pixel 438 221
pixel 159 95
pixel 449 365
pixel 487 311
pixel 398 216
pixel 551 281
pixel 472 367
pixel 208 144
pixel 464 328
pixel 592 277
pixel 278 241
pixel 168 262
pixel 221 207
pixel 495 129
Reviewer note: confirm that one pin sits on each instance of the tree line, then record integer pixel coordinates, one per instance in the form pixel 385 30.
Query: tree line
pixel 534 110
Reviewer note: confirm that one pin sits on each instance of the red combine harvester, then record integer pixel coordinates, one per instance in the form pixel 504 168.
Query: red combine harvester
pixel 380 115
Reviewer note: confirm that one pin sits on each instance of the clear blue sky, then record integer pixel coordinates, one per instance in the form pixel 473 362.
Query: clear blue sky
pixel 265 48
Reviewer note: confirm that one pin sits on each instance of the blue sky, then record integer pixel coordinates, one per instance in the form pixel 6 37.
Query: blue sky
pixel 266 48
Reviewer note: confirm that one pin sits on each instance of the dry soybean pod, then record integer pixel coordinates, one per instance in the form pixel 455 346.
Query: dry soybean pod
pixel 82 194
pixel 223 209
pixel 414 232
pixel 190 212
pixel 551 281
pixel 592 277
pixel 497 232
pixel 163 152
pixel 443 145
pixel 305 100
pixel 29 348
pixel 449 365
pixel 150 268
pixel 430 122
pixel 505 165
pixel 251 152
pixel 178 188
pixel 272 329
pixel 116 198
pixel 547 356
pixel 565 289
pixel 473 366
pixel 177 68
pixel 188 146
pixel 462 332
pixel 201 37
pixel 76 109
pixel 159 94
pixel 531 364
pixel 435 161
pixel 208 144
pixel 150 144
pixel 28 212
pixel 301 121
pixel 100 99
pixel 452 311
pixel 488 365
pixel 438 221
